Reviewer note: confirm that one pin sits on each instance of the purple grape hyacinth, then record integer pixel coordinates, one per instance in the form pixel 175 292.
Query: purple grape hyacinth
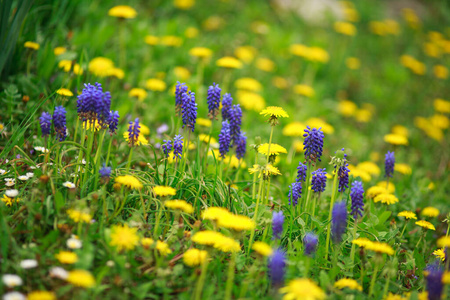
pixel 295 192
pixel 343 178
pixel 45 121
pixel 313 143
pixel 301 172
pixel 338 221
pixel 319 180
pixel 277 265
pixel 180 89
pixel 213 100
pixel 235 122
pixel 105 172
pixel 93 104
pixel 224 139
pixel 277 224
pixel 357 196
pixel 167 147
pixel 177 146
pixel 389 163
pixel 189 110
pixel 241 146
pixel 59 122
pixel 310 241
pixel 434 281
pixel 133 132
pixel 113 121
pixel 227 102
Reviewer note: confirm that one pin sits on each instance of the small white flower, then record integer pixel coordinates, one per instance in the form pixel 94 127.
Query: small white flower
pixel 14 296
pixel 69 185
pixel 10 181
pixel 28 264
pixel 110 263
pixel 59 273
pixel 74 243
pixel 33 167
pixel 11 280
pixel 12 193
pixel 30 174
pixel 23 177
pixel 41 149
pixel 83 161
pixel 2 172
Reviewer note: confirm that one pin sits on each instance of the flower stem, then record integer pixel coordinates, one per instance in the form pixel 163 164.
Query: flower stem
pixel 333 196
pixel 352 252
pixel 252 235
pixel 230 279
pixel 374 276
pixel 254 178
pixel 201 280
pixel 129 159
pixel 158 218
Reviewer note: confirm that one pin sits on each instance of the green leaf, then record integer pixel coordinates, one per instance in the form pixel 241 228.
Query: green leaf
pixel 324 280
pixel 420 262
pixel 59 201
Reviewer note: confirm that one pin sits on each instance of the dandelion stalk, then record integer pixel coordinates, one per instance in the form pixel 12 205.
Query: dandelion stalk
pixel 352 252
pixel 201 280
pixel 158 218
pixel 129 160
pixel 333 197
pixel 230 279
pixel 374 276
pixel 252 235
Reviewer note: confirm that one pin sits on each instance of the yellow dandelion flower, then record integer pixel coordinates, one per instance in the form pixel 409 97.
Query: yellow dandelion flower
pixel 144 129
pixel 31 45
pixel 41 295
pixel 347 283
pixel 302 288
pixel 356 172
pixel 151 40
pixel 439 121
pixel 79 216
pixel 180 204
pixel 400 130
pixel 248 84
pixel 265 64
pixel 380 247
pixel 431 186
pixel 275 149
pixel 369 167
pixel 262 248
pixel 233 162
pixel 163 191
pixel 386 199
pixel 430 212
pixel 407 214
pixel 444 241
pixel 347 108
pixel 298 146
pixel 116 72
pixel 229 62
pixel 201 52
pixel 236 222
pixel 317 123
pixel 362 242
pixel 163 248
pixel 59 50
pixel 226 244
pixel 412 19
pixel 147 242
pixel 91 126
pixel 425 224
pixel 304 90
pixel 138 93
pixel 274 111
pixel 432 50
pixel 182 73
pixel 345 28
pixel 280 82
pixel 9 201
pixel 204 122
pixel 395 139
pixel 64 92
pixel 191 32
pixel 141 139
pixel 440 72
pixel 155 84
pixel 205 138
pixel 124 237
pixel 353 63
pixel 213 23
pixel 129 181
pixel 214 213
pixel 390 186
pixel 294 129
pixel 441 105
pixel 67 257
pixel 445 278
pixel 101 66
pixel 363 115
pixel 251 101
pixel 81 278
pixel 207 237
pixel 391 296
pixel 440 253
pixel 245 53
pixel 122 11
pixel 404 169
pixel 184 4
pixel 194 257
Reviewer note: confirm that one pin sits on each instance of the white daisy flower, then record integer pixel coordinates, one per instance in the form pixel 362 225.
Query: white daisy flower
pixel 30 174
pixel 23 177
pixel 14 296
pixel 74 243
pixel 2 172
pixel 11 193
pixel 83 161
pixel 10 181
pixel 28 264
pixel 11 280
pixel 59 272
pixel 69 185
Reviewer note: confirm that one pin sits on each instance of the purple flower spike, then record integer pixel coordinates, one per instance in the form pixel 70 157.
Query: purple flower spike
pixel 189 110
pixel 133 132
pixel 301 172
pixel 177 146
pixel 94 104
pixel 235 122
pixel 357 195
pixel 46 123
pixel 113 121
pixel 167 147
pixel 343 178
pixel 241 145
pixel 319 180
pixel 310 242
pixel 227 102
pixel 277 224
pixel 59 122
pixel 313 143
pixel 389 163
pixel 277 265
pixel 180 89
pixel 224 139
pixel 105 172
pixel 295 192
pixel 434 281
pixel 338 221
pixel 213 100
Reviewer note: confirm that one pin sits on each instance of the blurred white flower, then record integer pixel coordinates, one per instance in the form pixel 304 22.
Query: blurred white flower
pixel 41 149
pixel 11 193
pixel 30 174
pixel 59 272
pixel 11 280
pixel 74 243
pixel 10 181
pixel 69 185
pixel 23 177
pixel 2 172
pixel 110 263
pixel 14 296
pixel 28 264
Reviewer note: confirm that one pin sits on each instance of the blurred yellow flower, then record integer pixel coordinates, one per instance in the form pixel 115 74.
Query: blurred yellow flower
pixel 390 187
pixel 226 244
pixel 407 214
pixel 214 213
pixel 374 191
pixel 116 72
pixel 425 224
pixel 274 111
pixel 380 247
pixel 430 212
pixel 138 93
pixel 39 295
pixel 405 169
pixel 363 115
pixel 356 172
pixel 123 237
pixel 369 167
pixel 440 72
pixel 66 257
pixel 302 288
pixel 347 108
pixel 147 242
pixel 236 222
pixel 411 18
pixel 79 216
pixel 280 82
pixel 31 45
pixel 262 248
pixel 248 84
pixel 304 90
pixel 392 27
pixel 213 23
pixel 204 122
pixel 310 53
pixel 129 181
pixel 432 50
pixel 395 139
pixel 245 53
pixel 229 62
pixel 64 92
pixel 184 4
pixel 275 149
pixel 207 237
pixel 81 278
pixel 171 41
pixel 194 257
pixel 251 101
pixel 200 52
pixel 180 205
pixel 265 64
pixel 439 121
pixel 400 130
pixel 431 130
pixel 155 84
pixel 233 162
pixel 59 50
pixel 123 11
pixel 386 199
pixel 294 129
pixel 348 283
pixel 317 123
pixel 182 73
pixel 141 139
pixel 101 66
pixel 163 248
pixel 260 27
pixel 362 242
pixel 345 28
pixel 191 32
pixel 151 40
pixel 353 63
pixel 163 191
pixel 444 241
pixel 351 14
